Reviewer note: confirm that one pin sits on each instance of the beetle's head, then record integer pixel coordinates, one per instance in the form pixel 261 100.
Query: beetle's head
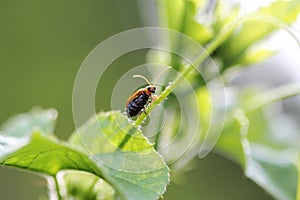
pixel 151 89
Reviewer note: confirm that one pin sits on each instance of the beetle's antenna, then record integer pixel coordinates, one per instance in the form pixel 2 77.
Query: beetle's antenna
pixel 160 74
pixel 143 77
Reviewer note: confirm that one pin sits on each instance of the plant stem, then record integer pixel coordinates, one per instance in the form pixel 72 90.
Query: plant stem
pixel 265 98
pixel 57 188
pixel 90 190
pixel 212 46
pixel 271 96
pixel 157 137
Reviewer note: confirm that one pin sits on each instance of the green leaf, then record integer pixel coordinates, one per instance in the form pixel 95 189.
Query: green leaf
pixel 193 28
pixel 27 142
pixel 253 56
pixel 127 159
pixel 271 168
pixel 270 161
pixel 79 185
pixel 121 154
pixel 266 158
pixel 44 154
pixel 16 131
pixel 274 170
pixel 24 124
pixel 180 15
pixel 257 26
pixel 224 16
pixel 230 144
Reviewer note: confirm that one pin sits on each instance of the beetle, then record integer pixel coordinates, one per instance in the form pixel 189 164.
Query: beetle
pixel 137 102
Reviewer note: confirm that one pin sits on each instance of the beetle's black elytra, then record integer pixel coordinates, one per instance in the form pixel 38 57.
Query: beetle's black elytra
pixel 136 105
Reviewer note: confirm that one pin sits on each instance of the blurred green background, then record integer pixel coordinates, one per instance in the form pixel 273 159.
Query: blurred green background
pixel 42 44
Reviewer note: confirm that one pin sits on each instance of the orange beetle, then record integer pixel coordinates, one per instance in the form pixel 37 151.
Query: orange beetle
pixel 138 100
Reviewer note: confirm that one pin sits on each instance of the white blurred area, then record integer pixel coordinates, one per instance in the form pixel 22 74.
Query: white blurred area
pixel 279 69
pixel 284 66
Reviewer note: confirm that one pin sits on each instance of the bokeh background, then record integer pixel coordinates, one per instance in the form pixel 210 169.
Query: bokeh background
pixel 43 43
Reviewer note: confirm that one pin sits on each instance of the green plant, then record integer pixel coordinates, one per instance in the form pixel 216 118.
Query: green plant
pixel 124 164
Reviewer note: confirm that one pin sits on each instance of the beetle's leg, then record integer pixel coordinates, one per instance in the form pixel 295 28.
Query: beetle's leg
pixel 150 100
pixel 144 110
pixel 153 98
